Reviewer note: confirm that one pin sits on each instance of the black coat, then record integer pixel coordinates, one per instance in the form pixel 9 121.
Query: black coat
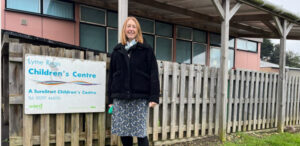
pixel 133 74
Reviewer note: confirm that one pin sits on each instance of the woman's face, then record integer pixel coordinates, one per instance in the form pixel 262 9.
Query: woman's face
pixel 131 30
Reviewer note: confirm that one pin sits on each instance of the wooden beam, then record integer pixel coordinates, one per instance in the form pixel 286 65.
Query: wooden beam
pixel 256 17
pixel 219 8
pixel 278 26
pixel 234 9
pixel 248 28
pixel 177 10
pixel 270 26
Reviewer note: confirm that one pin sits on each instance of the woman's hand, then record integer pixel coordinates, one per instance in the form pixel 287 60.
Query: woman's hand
pixel 110 105
pixel 152 104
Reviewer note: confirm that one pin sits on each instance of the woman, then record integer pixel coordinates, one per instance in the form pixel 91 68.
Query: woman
pixel 133 84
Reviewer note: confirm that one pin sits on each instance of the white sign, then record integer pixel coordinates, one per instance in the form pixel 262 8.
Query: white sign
pixel 63 85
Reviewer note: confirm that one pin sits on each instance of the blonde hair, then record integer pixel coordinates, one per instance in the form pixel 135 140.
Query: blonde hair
pixel 139 36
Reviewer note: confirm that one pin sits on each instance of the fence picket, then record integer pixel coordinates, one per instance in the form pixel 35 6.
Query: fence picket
pixel 246 101
pixel 204 101
pixel 189 100
pixel 256 100
pixel 198 87
pixel 173 101
pixel 182 96
pixel 251 100
pixel 211 98
pixel 265 100
pixel 269 101
pixel 165 99
pixel 218 102
pixel 241 98
pixel 236 98
pixel 229 121
pixel 273 101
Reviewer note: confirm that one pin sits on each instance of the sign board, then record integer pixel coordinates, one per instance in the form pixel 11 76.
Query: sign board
pixel 63 85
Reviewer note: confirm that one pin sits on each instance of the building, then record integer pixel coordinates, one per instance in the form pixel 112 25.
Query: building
pixel 95 27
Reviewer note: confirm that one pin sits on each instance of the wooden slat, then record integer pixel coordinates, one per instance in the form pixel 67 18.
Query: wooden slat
pixel 165 100
pixel 218 102
pixel 211 112
pixel 266 81
pixel 273 101
pixel 269 101
pixel 255 100
pixel 294 100
pixel 204 102
pixel 241 95
pixel 298 99
pixel 45 130
pixel 182 96
pixel 230 101
pixel 261 99
pixel 75 130
pixel 89 129
pixel 156 111
pixel 251 98
pixel 277 102
pixel 173 100
pixel 198 88
pixel 60 129
pixel 236 96
pixel 246 100
pixel 27 132
pixel 287 118
pixel 190 96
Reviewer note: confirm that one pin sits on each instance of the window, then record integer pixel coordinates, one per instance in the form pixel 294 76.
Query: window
pixel 215 54
pixel 56 8
pixel 199 53
pixel 163 29
pixel 246 45
pixel 28 5
pixel 92 36
pixel 92 15
pixel 163 48
pixel 112 39
pixel 183 51
pixel 112 19
pixel 215 40
pixel 184 33
pixel 147 25
pixel 149 39
pixel 199 36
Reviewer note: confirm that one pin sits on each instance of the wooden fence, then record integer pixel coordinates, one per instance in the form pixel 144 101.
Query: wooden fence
pixel 189 105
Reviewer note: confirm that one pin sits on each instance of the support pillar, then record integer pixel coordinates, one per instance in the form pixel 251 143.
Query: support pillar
pixel 122 15
pixel 226 14
pixel 283 28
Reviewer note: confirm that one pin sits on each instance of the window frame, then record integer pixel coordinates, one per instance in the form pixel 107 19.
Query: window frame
pixel 107 28
pixel 41 13
pixel 184 39
pixel 92 23
pixel 155 48
pixel 154 26
pixel 194 42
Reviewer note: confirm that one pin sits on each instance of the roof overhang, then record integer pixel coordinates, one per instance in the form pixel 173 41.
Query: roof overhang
pixel 254 19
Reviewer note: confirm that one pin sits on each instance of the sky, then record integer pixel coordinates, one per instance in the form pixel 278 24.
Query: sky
pixel 292 6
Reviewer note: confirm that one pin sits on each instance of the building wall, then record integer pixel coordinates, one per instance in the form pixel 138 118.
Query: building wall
pixel 68 32
pixel 50 28
pixel 248 60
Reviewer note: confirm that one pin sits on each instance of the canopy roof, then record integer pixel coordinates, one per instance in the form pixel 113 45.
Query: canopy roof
pixel 253 19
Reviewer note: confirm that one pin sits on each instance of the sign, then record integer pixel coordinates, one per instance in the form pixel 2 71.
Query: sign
pixel 63 85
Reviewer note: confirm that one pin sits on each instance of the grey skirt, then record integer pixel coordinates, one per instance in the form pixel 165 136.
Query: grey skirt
pixel 129 117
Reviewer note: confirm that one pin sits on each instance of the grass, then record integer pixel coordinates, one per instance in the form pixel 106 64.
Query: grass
pixel 275 139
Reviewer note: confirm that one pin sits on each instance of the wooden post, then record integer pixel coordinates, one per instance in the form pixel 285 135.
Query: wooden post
pixel 0 75
pixel 283 29
pixel 122 15
pixel 226 14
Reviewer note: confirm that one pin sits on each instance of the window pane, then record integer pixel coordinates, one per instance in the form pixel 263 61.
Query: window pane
pixel 24 5
pixel 230 58
pixel 163 29
pixel 215 54
pixel 183 51
pixel 112 39
pixel 92 37
pixel 214 57
pixel 252 46
pixel 163 49
pixel 146 25
pixel 215 39
pixel 184 32
pixel 199 36
pixel 93 15
pixel 112 19
pixel 199 54
pixel 149 39
pixel 58 8
pixel 241 44
pixel 231 42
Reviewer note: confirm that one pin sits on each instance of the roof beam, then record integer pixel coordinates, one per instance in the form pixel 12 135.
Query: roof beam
pixel 257 17
pixel 235 8
pixel 219 8
pixel 177 10
pixel 270 26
